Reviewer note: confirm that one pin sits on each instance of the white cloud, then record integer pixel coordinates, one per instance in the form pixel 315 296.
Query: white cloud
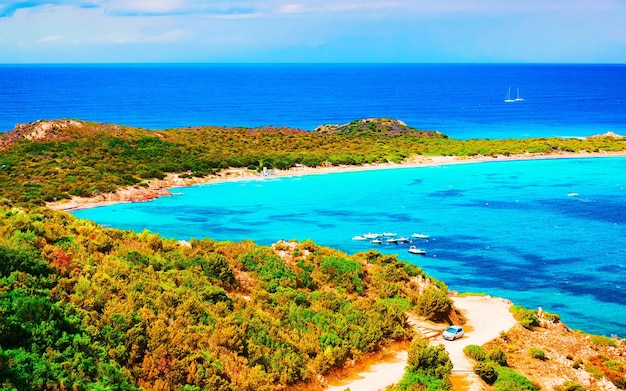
pixel 302 30
pixel 50 38
pixel 149 37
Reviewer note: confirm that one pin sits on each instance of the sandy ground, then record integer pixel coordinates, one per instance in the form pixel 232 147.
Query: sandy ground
pixel 161 187
pixel 486 317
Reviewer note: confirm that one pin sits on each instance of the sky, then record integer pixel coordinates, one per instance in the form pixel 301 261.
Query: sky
pixel 329 31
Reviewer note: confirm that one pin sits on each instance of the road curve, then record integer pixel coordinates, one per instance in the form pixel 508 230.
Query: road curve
pixel 485 318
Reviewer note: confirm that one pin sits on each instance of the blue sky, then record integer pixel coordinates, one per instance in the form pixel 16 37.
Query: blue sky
pixel 86 31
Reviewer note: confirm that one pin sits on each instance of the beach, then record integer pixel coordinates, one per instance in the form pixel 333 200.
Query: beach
pixel 162 187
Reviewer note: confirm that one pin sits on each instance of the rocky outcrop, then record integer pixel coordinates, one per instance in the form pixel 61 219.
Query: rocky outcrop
pixel 41 130
pixel 376 126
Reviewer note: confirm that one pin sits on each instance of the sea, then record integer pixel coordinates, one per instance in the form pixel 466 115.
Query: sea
pixel 542 233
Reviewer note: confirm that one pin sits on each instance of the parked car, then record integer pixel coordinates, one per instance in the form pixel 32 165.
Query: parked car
pixel 453 332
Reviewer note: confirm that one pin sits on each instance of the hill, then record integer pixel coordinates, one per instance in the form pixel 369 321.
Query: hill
pixel 84 307
pixel 55 160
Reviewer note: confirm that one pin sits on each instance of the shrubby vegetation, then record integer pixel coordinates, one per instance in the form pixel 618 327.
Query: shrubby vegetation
pixel 83 307
pixel 492 368
pixel 537 353
pixel 475 352
pixel 84 159
pixel 525 317
pixel 428 368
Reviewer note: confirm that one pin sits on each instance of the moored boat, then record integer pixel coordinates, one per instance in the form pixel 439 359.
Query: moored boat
pixel 420 236
pixel 417 251
pixel 359 237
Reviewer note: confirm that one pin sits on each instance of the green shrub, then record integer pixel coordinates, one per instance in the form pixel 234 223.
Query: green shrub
pixel 526 318
pixel 572 386
pixel 486 371
pixel 595 371
pixel 509 380
pixel 412 381
pixel 428 368
pixel 537 353
pixel 434 304
pixel 475 352
pixel 498 356
pixel 601 340
pixel 428 359
pixel 554 318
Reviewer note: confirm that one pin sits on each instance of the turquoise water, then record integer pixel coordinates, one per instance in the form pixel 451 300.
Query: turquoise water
pixel 549 233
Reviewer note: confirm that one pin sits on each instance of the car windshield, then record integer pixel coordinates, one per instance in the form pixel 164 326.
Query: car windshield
pixel 452 330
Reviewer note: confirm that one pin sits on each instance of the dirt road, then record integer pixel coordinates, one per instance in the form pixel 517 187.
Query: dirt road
pixel 486 318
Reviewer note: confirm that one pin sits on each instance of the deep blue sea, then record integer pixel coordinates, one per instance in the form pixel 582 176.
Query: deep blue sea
pixel 463 101
pixel 541 233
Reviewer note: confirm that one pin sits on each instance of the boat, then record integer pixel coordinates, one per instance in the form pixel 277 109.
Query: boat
pixel 392 240
pixel 371 236
pixel 376 241
pixel 359 237
pixel 508 96
pixel 420 236
pixel 389 234
pixel 402 239
pixel 518 99
pixel 417 251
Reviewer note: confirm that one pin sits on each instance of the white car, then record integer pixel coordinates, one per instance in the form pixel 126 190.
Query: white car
pixel 453 332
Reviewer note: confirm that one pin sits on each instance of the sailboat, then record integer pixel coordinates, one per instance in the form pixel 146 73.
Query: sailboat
pixel 508 96
pixel 518 99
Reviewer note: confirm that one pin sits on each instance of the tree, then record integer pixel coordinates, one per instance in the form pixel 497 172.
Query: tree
pixel 434 304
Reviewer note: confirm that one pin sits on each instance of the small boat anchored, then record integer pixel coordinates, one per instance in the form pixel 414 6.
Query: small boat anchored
pixel 420 236
pixel 416 251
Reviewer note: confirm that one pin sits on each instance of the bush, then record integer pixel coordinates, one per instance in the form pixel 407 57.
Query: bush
pixel 554 318
pixel 486 371
pixel 428 359
pixel 526 318
pixel 509 380
pixel 537 353
pixel 497 356
pixel 475 352
pixel 434 304
pixel 571 386
pixel 595 371
pixel 601 340
pixel 412 381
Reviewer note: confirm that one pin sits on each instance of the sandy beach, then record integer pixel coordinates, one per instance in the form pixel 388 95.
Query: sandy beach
pixel 162 187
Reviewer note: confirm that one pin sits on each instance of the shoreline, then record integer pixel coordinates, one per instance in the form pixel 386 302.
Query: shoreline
pixel 156 188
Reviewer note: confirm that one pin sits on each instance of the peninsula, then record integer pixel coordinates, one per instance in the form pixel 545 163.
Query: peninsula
pixel 85 307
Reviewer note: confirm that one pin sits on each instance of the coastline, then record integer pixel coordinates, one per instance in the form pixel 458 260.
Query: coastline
pixel 162 187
